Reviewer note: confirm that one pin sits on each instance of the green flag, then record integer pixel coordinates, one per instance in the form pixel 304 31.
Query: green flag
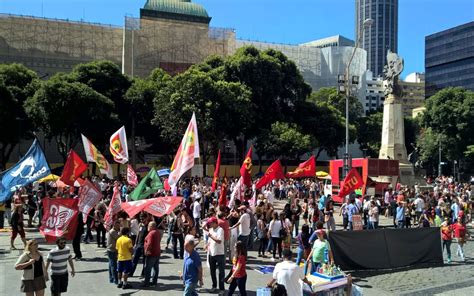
pixel 149 185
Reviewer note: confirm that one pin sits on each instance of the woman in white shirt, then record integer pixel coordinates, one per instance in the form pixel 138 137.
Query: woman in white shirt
pixel 373 215
pixel 276 225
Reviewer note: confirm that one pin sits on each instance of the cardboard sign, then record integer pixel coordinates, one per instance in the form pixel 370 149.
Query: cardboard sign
pixel 357 222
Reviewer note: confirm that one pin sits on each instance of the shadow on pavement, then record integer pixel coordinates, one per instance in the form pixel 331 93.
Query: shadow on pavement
pixel 92 271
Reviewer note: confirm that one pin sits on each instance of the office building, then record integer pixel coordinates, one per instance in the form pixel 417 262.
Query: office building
pixel 449 59
pixel 382 34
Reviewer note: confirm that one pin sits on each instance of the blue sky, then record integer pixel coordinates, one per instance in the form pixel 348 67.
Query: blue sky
pixel 279 21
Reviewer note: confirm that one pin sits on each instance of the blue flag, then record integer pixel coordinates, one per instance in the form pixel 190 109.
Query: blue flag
pixel 33 166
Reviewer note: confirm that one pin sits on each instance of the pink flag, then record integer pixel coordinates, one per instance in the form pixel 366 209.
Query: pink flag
pixel 131 176
pixel 134 207
pixel 59 218
pixel 114 208
pixel 89 197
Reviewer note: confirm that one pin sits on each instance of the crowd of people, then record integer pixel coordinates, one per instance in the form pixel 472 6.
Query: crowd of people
pixel 295 236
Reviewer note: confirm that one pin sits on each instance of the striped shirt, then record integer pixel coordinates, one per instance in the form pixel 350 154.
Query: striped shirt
pixel 59 259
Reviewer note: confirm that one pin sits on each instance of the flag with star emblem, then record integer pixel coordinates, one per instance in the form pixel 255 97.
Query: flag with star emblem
pixel 118 146
pixel 73 168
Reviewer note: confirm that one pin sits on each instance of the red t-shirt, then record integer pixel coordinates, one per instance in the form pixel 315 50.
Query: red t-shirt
pixel 459 230
pixel 447 232
pixel 224 224
pixel 152 243
pixel 242 261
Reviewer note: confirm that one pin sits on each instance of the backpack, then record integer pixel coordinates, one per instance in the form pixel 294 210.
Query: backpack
pixel 279 290
pixel 283 233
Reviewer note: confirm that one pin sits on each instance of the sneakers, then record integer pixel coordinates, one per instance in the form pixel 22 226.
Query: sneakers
pixel 120 285
pixel 449 260
pixel 273 259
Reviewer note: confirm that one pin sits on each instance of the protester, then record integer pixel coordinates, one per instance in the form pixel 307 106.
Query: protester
pixel 262 235
pixel 76 242
pixel 329 215
pixel 139 243
pixel 152 253
pixel 275 233
pixel 112 236
pixel 124 248
pixel 177 235
pixel 446 237
pixel 304 247
pixel 216 253
pixel 35 275
pixel 17 226
pixel 59 258
pixel 373 215
pixel 238 277
pixel 400 214
pixel 288 274
pixel 192 270
pixel 320 253
pixel 461 234
pixel 244 226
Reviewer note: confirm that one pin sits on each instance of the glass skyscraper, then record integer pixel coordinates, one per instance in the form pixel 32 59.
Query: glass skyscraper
pixel 382 35
pixel 449 59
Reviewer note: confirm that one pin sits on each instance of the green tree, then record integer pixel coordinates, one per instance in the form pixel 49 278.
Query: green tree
pixel 63 110
pixel 220 107
pixel 17 84
pixel 369 133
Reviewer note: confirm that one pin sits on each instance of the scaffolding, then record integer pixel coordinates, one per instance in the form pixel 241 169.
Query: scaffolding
pixel 49 45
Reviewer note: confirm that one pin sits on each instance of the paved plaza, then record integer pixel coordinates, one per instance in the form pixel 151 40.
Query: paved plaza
pixel 92 274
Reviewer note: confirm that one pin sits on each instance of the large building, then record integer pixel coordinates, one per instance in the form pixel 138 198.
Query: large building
pixel 449 59
pixel 381 35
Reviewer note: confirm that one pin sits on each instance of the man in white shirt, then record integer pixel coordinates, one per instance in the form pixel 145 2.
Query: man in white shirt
pixel 419 207
pixel 216 253
pixel 244 226
pixel 288 274
pixel 197 212
pixel 268 195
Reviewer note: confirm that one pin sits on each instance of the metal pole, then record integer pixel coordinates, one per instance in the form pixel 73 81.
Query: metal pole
pixel 439 159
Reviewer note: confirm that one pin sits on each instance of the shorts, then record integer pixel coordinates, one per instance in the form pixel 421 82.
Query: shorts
pixel 59 283
pixel 124 266
pixel 28 286
pixel 16 232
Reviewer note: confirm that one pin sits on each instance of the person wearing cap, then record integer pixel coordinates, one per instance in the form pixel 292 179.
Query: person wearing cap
pixel 400 214
pixel 216 252
pixel 320 253
pixel 197 195
pixel 244 226
pixel 288 274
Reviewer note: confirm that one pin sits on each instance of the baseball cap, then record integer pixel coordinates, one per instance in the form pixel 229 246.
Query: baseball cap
pixel 211 220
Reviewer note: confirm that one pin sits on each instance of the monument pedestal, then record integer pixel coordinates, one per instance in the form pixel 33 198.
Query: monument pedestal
pixel 393 139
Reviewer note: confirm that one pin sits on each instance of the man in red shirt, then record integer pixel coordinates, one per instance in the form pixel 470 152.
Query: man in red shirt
pixel 224 224
pixel 152 253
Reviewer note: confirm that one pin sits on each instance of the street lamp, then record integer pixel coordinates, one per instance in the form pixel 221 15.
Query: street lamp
pixel 344 87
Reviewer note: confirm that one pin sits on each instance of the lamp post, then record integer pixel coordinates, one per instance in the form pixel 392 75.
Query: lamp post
pixel 345 80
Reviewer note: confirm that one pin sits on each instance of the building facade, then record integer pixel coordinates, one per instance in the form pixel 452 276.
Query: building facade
pixel 449 59
pixel 382 34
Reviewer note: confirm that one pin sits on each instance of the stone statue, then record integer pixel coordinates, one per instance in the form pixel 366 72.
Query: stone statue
pixel 391 71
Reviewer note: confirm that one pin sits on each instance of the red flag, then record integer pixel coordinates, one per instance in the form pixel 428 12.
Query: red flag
pixel 134 207
pixel 161 206
pixel 352 181
pixel 73 168
pixel 274 171
pixel 216 172
pixel 114 208
pixel 246 169
pixel 89 197
pixel 223 193
pixel 132 178
pixel 305 169
pixel 166 185
pixel 59 218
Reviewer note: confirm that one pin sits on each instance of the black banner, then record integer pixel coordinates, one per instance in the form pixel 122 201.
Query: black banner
pixel 386 248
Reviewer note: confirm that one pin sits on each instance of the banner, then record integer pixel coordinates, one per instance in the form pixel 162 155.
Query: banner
pixel 352 182
pixel 223 194
pixel 305 169
pixel 134 207
pixel 114 208
pixel 274 171
pixel 118 146
pixel 93 155
pixel 161 206
pixel 246 169
pixel 132 178
pixel 59 218
pixel 148 185
pixel 216 172
pixel 31 167
pixel 188 150
pixel 73 168
pixel 89 197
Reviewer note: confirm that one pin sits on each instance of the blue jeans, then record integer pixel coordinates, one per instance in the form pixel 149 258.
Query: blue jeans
pixel 299 256
pixel 373 225
pixel 190 289
pixel 152 263
pixel 113 278
pixel 269 246
pixel 401 223
pixel 137 253
pixel 240 282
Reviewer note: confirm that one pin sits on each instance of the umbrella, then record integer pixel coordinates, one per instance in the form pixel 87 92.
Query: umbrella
pixel 143 169
pixel 49 178
pixel 321 174
pixel 163 172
